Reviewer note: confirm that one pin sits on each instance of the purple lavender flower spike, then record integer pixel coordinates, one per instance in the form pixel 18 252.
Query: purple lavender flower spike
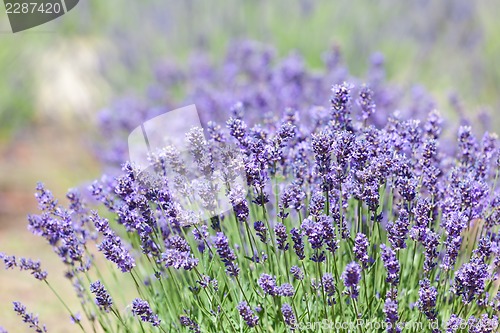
pixel 298 243
pixel 247 314
pixel 142 309
pixel 470 280
pixel 297 272
pixel 286 290
pixel 289 316
pixel 398 231
pixel 391 264
pixel 29 318
pixel 427 299
pixel 391 315
pixel 268 284
pixel 328 284
pixel 484 324
pixel 261 231
pixel 341 107
pixel 190 323
pixel 226 254
pixel 281 236
pixel 366 103
pixel 453 324
pixel 351 277
pixel 360 249
pixel 102 297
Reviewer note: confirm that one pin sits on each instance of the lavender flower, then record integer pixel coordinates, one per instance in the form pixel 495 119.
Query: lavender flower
pixel 281 236
pixel 398 231
pixel 226 254
pixel 470 280
pixel 289 316
pixel 297 272
pixel 351 277
pixel 261 231
pixel 190 323
pixel 484 324
pixel 286 290
pixel 317 204
pixel 25 264
pixel 427 299
pixel 247 314
pixel 328 284
pixel 268 284
pixel 314 233
pixel 341 105
pixel 102 297
pixel 391 264
pixel 391 315
pixel 142 309
pixel 179 259
pixel 453 324
pixel 366 103
pixel 29 318
pixel 298 243
pixel 360 249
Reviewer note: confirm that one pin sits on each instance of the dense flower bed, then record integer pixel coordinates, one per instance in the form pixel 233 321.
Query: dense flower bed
pixel 350 214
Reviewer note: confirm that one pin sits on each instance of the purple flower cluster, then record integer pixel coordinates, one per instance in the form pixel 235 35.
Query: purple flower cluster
pixel 226 254
pixel 24 264
pixel 102 297
pixel 427 299
pixel 112 246
pixel 351 277
pixel 142 309
pixel 247 314
pixel 29 318
pixel 391 264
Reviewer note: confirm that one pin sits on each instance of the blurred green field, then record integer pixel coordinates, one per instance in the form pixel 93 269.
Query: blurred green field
pixel 57 76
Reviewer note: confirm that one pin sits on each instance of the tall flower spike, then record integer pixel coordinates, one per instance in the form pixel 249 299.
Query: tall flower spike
pixel 289 316
pixel 427 299
pixel 142 309
pixel 391 264
pixel 351 277
pixel 298 243
pixel 281 236
pixel 226 254
pixel 247 314
pixel 391 315
pixel 261 231
pixel 360 249
pixel 29 318
pixel 190 323
pixel 102 297
pixel 268 284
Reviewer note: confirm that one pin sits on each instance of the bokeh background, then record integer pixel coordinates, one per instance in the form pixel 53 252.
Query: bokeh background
pixel 54 79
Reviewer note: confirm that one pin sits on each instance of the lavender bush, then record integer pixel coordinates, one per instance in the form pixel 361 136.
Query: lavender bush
pixel 353 215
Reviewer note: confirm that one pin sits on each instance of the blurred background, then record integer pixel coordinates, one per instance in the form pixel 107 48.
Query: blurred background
pixel 57 78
